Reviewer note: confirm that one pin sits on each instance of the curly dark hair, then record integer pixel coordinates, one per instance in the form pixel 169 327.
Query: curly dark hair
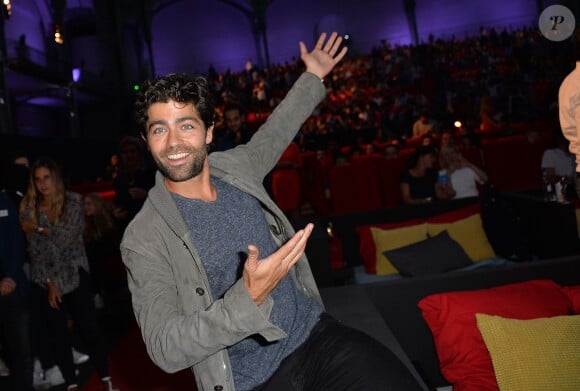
pixel 179 87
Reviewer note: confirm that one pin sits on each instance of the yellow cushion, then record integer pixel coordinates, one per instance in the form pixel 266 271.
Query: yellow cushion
pixel 469 233
pixel 537 354
pixel 391 239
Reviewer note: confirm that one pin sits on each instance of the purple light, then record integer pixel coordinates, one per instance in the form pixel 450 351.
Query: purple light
pixel 76 74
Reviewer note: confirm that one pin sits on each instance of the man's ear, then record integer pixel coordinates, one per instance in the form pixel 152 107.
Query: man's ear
pixel 209 134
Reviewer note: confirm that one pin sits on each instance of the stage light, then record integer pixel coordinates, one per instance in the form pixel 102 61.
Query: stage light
pixel 7 8
pixel 457 124
pixel 57 35
pixel 76 74
pixel 136 87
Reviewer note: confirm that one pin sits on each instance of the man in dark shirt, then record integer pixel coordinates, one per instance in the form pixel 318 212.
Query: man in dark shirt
pixel 235 131
pixel 14 287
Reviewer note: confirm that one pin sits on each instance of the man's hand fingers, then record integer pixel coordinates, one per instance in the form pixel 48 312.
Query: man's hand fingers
pixel 341 55
pixel 335 41
pixel 320 41
pixel 253 254
pixel 303 50
pixel 330 42
pixel 297 250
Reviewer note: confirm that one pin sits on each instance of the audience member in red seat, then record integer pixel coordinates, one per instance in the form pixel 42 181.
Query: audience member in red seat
pixel 112 168
pixel 52 219
pixel 419 184
pixel 101 238
pixel 423 125
pixel 447 138
pixel 133 181
pixel 559 162
pixel 463 175
pixel 235 131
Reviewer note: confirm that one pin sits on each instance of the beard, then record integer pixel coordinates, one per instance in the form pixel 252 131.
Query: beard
pixel 186 171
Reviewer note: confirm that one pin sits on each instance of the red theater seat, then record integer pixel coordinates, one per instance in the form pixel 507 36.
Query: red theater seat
pixel 390 171
pixel 513 164
pixel 354 187
pixel 286 188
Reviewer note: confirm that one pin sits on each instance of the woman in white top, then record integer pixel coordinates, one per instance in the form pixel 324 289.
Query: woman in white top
pixel 463 175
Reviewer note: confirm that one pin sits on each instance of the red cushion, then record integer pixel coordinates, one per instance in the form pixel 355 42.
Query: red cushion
pixel 368 250
pixel 463 357
pixel 455 215
pixel 573 293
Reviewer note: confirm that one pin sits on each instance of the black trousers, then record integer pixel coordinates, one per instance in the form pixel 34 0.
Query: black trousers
pixel 339 358
pixel 79 306
pixel 16 338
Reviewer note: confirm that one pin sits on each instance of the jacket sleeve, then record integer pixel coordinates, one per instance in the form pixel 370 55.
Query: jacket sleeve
pixel 266 146
pixel 180 330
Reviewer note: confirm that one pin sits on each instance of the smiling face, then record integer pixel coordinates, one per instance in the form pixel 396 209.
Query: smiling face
pixel 177 139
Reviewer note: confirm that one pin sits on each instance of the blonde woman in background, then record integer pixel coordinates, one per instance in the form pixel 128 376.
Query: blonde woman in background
pixel 463 175
pixel 53 222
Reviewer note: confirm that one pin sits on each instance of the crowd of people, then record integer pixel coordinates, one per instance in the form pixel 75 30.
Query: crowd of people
pixel 486 82
pixel 380 103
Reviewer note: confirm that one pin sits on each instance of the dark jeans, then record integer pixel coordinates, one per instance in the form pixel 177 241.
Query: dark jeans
pixel 15 333
pixel 77 305
pixel 338 358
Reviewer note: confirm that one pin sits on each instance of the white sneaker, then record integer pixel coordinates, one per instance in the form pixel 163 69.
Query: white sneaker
pixel 79 358
pixel 38 380
pixel 54 376
pixel 107 382
pixel 37 367
pixel 4 370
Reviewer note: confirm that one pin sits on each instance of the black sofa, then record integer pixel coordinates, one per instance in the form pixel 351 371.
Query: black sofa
pixel 388 310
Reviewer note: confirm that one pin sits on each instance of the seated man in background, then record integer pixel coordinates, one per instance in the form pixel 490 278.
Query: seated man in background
pixel 558 162
pixel 423 125
pixel 234 132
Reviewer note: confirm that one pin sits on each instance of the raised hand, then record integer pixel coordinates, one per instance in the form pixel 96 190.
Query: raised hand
pixel 322 59
pixel 262 275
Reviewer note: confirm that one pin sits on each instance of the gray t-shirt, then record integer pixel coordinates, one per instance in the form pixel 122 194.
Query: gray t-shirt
pixel 221 231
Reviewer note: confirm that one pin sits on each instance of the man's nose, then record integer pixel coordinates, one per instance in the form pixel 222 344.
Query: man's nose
pixel 172 136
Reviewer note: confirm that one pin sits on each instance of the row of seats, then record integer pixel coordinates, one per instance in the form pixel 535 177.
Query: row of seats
pixel 372 182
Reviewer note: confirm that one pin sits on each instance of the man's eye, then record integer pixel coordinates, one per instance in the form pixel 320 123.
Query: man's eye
pixel 187 127
pixel 157 131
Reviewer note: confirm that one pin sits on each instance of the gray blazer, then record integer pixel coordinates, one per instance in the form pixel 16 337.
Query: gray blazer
pixel 181 323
